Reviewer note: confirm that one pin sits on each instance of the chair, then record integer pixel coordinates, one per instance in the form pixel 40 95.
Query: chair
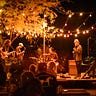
pixel 47 80
pixel 33 68
pixel 26 76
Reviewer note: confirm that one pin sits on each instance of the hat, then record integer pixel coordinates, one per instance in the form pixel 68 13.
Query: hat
pixel 76 40
pixel 21 44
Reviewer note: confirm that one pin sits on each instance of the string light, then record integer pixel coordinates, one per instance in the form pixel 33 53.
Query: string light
pixel 23 14
pixel 67 35
pixel 77 30
pixel 54 36
pixel 65 24
pixel 70 16
pixel 1 10
pixel 33 34
pixel 84 32
pixel 69 32
pixel 61 30
pixel 61 34
pixel 58 35
pixel 87 31
pixel 0 31
pixel 92 27
pixel 90 15
pixel 64 35
pixel 81 14
pixel 83 23
pixel 76 35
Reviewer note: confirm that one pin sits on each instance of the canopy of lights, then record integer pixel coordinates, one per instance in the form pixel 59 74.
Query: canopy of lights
pixel 32 19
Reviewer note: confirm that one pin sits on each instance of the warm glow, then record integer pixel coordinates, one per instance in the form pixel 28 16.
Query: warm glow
pixel 70 16
pixel 84 32
pixel 87 31
pixel 54 36
pixel 81 14
pixel 58 35
pixel 92 27
pixel 65 24
pixel 76 35
pixel 61 34
pixel 64 35
pixel 90 15
pixel 77 30
pixel 69 32
pixel 0 31
pixel 23 14
pixel 61 30
pixel 44 16
pixel 67 35
pixel 83 23
pixel 1 10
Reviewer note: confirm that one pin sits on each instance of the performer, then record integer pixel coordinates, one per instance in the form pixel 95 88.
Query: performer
pixel 77 54
pixel 53 55
pixel 19 53
pixel 5 55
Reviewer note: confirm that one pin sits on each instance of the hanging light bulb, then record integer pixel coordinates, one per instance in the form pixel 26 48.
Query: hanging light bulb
pixel 65 24
pixel 92 27
pixel 87 31
pixel 70 16
pixel 65 35
pixel 83 23
pixel 76 35
pixel 90 15
pixel 0 31
pixel 84 32
pixel 81 14
pixel 77 30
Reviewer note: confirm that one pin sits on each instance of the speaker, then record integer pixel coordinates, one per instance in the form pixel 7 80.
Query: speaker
pixel 72 67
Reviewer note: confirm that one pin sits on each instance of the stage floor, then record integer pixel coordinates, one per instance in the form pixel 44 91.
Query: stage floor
pixel 72 85
pixel 67 77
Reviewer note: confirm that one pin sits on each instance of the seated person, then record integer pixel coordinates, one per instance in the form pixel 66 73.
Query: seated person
pixel 30 88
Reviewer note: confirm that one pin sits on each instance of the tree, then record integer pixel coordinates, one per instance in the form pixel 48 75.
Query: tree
pixel 28 18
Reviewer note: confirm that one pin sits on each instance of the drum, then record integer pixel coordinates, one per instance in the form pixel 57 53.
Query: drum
pixel 33 68
pixel 52 65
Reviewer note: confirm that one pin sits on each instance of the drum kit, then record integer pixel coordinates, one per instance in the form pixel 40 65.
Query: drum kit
pixel 46 58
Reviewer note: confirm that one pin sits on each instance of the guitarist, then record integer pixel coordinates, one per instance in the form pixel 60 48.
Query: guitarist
pixel 20 50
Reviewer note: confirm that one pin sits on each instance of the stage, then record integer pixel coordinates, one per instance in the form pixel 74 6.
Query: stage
pixel 72 86
pixel 71 81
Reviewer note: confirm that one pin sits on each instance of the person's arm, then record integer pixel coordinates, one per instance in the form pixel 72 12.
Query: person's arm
pixel 78 49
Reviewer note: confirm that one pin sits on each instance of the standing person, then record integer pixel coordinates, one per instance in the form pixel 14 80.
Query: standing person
pixel 20 50
pixel 77 54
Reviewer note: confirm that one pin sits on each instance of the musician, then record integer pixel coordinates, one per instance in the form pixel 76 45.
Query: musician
pixel 6 45
pixel 5 55
pixel 19 53
pixel 20 50
pixel 53 54
pixel 17 68
pixel 77 54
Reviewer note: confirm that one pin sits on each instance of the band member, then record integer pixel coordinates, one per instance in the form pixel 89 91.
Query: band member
pixel 53 54
pixel 77 54
pixel 20 50
pixel 5 55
